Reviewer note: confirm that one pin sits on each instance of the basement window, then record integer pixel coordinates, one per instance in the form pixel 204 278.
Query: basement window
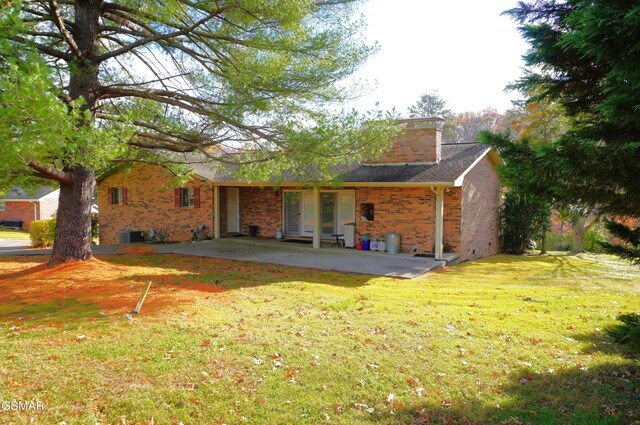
pixel 366 212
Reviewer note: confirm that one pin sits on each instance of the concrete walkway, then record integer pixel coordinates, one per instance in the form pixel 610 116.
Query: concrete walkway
pixel 290 254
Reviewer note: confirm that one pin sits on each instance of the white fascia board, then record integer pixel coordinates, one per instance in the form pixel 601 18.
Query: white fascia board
pixel 341 184
pixel 460 179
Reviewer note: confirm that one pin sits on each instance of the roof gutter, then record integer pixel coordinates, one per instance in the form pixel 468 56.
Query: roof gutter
pixel 340 184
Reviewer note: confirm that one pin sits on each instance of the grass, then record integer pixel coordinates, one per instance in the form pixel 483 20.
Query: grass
pixel 13 234
pixel 510 340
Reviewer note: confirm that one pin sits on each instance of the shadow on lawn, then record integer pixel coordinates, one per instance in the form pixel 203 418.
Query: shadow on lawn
pixel 114 283
pixel 605 394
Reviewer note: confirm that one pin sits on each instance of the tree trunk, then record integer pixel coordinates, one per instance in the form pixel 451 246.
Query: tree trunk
pixel 73 220
pixel 578 236
pixel 580 225
pixel 543 242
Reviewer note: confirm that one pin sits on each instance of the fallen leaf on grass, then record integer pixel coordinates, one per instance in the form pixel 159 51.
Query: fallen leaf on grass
pixel 291 373
pixel 398 405
pixel 205 343
pixel 412 382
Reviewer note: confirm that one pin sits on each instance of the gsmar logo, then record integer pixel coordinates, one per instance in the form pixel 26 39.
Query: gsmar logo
pixel 16 405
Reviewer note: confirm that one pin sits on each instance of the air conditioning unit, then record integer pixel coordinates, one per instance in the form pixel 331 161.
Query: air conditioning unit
pixel 131 236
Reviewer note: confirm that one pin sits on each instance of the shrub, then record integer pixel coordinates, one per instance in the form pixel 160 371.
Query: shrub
pixel 593 240
pixel 522 218
pixel 42 233
pixel 627 332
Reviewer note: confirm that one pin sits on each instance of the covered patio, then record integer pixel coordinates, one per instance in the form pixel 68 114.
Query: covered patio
pixel 272 251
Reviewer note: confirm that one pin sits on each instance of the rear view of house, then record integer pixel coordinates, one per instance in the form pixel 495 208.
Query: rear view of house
pixel 438 197
pixel 20 207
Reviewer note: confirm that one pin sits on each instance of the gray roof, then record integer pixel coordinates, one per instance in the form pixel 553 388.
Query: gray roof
pixel 16 193
pixel 456 159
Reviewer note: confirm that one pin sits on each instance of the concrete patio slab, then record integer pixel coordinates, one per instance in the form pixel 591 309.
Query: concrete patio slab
pixel 289 254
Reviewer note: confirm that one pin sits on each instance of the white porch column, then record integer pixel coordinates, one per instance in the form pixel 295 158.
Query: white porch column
pixel 439 191
pixel 317 224
pixel 216 212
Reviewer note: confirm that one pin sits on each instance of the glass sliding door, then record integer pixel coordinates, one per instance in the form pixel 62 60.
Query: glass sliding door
pixel 292 213
pixel 328 211
pixel 336 209
pixel 346 209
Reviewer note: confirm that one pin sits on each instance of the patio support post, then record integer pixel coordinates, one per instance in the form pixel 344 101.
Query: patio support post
pixel 317 226
pixel 216 212
pixel 439 191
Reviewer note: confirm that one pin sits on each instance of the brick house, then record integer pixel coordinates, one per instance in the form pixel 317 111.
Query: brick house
pixel 27 206
pixel 439 197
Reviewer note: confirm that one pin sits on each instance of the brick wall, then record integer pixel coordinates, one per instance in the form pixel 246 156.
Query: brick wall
pixel 480 212
pixel 260 207
pixel 150 207
pixel 410 212
pixel 419 141
pixel 22 211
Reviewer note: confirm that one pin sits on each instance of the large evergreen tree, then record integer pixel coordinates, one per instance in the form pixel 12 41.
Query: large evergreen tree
pixel 584 55
pixel 86 84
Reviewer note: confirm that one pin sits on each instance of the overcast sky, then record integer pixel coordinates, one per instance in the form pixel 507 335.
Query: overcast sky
pixel 463 49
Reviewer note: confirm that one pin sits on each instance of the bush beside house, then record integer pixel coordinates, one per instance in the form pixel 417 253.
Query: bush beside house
pixel 42 233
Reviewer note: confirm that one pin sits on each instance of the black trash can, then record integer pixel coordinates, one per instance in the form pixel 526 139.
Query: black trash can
pixel 253 231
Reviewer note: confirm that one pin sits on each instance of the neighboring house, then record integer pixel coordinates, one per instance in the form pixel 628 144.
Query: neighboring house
pixel 29 205
pixel 439 197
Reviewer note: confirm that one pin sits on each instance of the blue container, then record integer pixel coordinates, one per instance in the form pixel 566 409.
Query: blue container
pixel 366 245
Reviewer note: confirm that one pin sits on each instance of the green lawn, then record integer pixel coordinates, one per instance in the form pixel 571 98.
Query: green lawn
pixel 509 340
pixel 13 234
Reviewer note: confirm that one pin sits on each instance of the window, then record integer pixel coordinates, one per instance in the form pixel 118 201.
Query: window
pixel 187 197
pixel 117 196
pixel 366 212
pixel 1 205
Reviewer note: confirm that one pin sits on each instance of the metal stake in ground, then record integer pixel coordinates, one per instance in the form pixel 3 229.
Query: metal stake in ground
pixel 142 297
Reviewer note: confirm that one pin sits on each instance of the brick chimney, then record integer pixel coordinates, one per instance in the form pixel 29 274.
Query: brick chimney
pixel 418 142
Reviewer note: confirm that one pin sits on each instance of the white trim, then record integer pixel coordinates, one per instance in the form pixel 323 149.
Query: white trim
pixel 306 185
pixel 460 179
pixel 383 164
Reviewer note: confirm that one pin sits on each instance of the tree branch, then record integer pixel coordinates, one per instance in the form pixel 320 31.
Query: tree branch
pixel 57 19
pixel 50 172
pixel 156 37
